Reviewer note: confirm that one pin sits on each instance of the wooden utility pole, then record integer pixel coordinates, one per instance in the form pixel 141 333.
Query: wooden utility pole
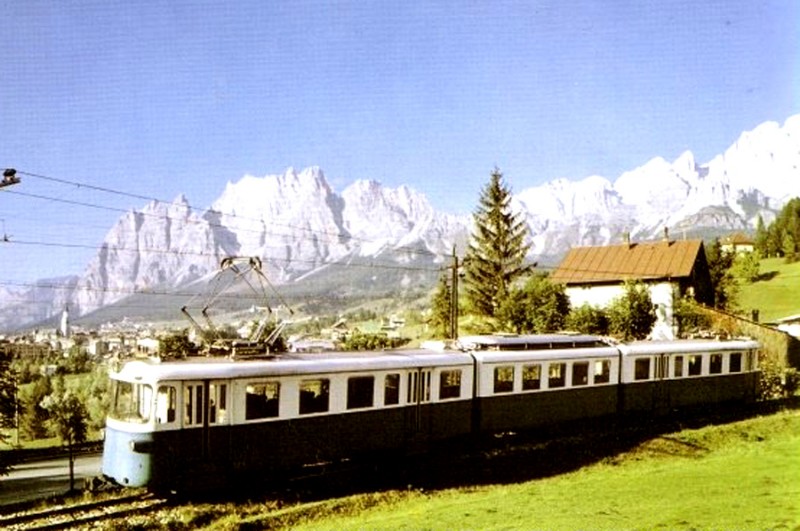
pixel 454 298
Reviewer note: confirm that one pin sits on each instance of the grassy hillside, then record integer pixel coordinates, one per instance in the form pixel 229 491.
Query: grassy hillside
pixel 741 475
pixel 777 294
pixel 738 476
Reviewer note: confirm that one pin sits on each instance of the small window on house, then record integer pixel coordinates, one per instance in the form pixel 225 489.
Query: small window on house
pixel 580 373
pixel 449 384
pixel 261 400
pixel 531 377
pixel 391 390
pixel 556 375
pixel 735 362
pixel 360 392
pixel 602 371
pixel 314 396
pixel 715 364
pixel 504 379
pixel 695 365
pixel 677 372
pixel 641 369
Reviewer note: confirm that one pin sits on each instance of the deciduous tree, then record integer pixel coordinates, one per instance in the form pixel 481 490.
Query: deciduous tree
pixel 632 315
pixel 539 306
pixel 722 278
pixel 8 403
pixel 68 418
pixel 588 319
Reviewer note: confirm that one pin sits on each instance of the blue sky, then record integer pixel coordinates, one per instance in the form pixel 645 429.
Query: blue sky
pixel 161 98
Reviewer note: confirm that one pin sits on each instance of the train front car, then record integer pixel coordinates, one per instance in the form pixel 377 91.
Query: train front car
pixel 131 426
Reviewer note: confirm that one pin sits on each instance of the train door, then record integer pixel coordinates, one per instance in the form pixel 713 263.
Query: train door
pixel 194 419
pixel 661 395
pixel 418 416
pixel 218 417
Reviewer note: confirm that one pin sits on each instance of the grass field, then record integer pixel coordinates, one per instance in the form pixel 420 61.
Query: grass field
pixel 777 294
pixel 741 475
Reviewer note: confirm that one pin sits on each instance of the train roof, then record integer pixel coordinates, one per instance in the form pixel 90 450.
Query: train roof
pixel 531 341
pixel 287 364
pixel 687 346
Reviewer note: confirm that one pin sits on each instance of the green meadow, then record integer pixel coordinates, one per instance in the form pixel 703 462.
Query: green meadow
pixel 776 294
pixel 742 475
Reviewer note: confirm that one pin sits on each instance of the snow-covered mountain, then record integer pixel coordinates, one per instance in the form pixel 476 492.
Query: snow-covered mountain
pixel 299 225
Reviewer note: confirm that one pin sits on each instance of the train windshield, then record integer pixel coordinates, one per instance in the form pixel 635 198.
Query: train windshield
pixel 131 402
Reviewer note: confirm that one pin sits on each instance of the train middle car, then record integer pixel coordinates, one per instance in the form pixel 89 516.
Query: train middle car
pixel 174 424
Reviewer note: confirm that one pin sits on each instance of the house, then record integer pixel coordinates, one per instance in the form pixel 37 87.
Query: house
pixel 790 325
pixel 738 243
pixel 670 269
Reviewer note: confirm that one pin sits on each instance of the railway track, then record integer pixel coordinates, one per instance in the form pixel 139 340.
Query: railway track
pixel 81 515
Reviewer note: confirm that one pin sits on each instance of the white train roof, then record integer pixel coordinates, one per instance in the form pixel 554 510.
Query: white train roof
pixel 287 364
pixel 530 341
pixel 687 346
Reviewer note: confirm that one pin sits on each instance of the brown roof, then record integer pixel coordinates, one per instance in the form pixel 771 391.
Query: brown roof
pixel 613 263
pixel 738 239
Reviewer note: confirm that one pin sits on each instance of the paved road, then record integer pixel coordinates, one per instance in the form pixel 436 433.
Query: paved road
pixel 39 479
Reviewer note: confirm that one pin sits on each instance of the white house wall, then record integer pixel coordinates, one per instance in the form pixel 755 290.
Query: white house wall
pixel 661 294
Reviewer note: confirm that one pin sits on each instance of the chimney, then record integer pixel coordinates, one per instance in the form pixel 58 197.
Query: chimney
pixel 626 237
pixel 666 235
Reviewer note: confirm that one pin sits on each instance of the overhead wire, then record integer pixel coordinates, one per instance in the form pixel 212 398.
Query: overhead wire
pixel 198 219
pixel 338 235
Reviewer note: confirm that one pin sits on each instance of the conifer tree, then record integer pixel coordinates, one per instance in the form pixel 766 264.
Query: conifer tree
pixel 440 308
pixel 497 249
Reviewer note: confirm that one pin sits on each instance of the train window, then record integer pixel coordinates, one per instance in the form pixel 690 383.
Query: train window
pixel 193 404
pixel 217 403
pixel 131 402
pixel 715 364
pixel 449 384
pixel 360 392
pixel 419 387
pixel 580 373
pixel 504 379
pixel 314 396
pixel 677 371
pixel 166 404
pixel 531 377
pixel 641 369
pixel 556 375
pixel 695 365
pixel 391 390
pixel 752 360
pixel 261 400
pixel 735 362
pixel 602 371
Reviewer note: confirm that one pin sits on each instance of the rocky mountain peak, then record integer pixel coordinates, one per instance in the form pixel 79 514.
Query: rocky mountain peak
pixel 298 225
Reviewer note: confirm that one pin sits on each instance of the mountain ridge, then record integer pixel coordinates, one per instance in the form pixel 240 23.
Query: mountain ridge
pixel 298 225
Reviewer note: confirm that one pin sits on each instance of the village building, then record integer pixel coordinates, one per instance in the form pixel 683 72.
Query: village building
pixel 790 325
pixel 671 269
pixel 738 243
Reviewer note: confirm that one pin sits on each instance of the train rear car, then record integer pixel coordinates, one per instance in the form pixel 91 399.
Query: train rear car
pixel 663 376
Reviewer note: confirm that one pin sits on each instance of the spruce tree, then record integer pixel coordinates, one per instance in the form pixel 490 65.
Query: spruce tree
pixel 497 249
pixel 441 311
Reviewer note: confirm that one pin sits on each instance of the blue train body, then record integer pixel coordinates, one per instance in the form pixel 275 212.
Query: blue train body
pixel 178 424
